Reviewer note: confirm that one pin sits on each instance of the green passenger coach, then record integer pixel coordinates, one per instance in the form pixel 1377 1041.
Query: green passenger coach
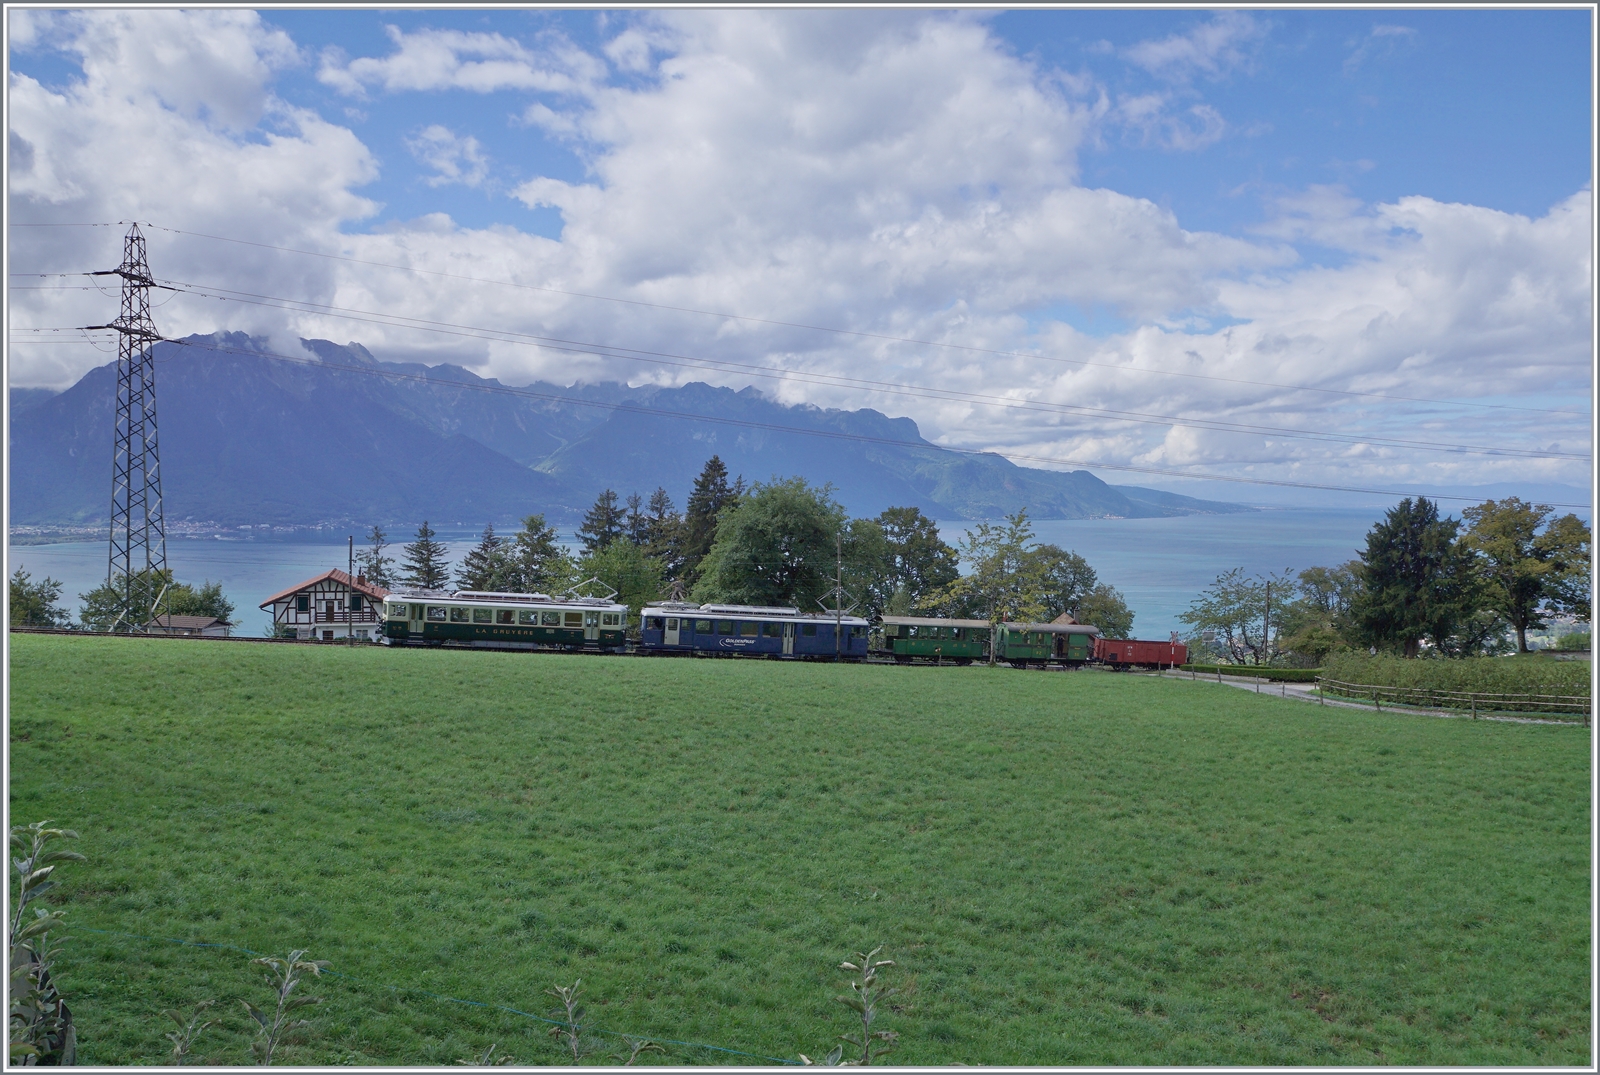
pixel 1025 644
pixel 504 620
pixel 909 638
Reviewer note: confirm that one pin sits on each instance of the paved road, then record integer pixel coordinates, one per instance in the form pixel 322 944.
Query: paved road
pixel 1307 692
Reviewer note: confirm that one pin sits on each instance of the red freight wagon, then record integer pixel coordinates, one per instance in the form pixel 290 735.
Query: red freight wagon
pixel 1120 653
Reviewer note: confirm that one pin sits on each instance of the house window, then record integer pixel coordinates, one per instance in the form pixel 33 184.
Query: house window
pixel 355 602
pixel 302 603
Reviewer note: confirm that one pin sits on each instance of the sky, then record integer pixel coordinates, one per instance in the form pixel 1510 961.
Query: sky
pixel 1338 247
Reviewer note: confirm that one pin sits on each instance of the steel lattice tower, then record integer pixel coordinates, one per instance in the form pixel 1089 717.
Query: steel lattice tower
pixel 138 561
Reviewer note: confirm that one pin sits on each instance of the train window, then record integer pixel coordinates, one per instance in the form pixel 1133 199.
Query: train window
pixel 911 632
pixel 611 619
pixel 724 627
pixel 505 615
pixel 397 612
pixel 528 617
pixel 574 619
pixel 438 612
pixel 460 615
pixel 551 619
pixel 808 630
pixel 701 626
pixel 955 633
pixel 891 629
pixel 772 630
pixel 749 629
pixel 483 615
pixel 652 623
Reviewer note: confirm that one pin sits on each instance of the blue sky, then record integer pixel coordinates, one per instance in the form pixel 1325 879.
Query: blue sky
pixel 1234 216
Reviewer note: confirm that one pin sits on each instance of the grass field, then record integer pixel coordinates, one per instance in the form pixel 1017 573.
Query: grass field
pixel 1082 868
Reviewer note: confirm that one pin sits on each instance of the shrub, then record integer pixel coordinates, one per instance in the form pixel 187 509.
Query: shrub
pixel 1277 675
pixel 1487 675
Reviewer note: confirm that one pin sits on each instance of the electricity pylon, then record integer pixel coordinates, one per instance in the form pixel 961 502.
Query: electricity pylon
pixel 138 560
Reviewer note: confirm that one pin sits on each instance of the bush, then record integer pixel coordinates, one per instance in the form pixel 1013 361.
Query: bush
pixel 1578 640
pixel 1488 675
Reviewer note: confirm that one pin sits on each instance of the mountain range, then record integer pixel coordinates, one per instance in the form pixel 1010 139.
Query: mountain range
pixel 248 438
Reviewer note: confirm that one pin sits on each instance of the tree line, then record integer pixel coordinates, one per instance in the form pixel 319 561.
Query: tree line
pixel 1424 584
pixel 781 542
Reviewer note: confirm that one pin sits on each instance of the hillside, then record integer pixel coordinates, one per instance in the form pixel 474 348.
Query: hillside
pixel 247 439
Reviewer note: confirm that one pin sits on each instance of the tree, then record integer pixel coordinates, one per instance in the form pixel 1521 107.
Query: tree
pixel 922 561
pixel 776 547
pixel 664 534
pixel 1248 614
pixel 1004 584
pixel 425 565
pixel 635 523
pixel 103 606
pixel 536 562
pixel 710 497
pixel 1318 621
pixel 378 568
pixel 602 523
pixel 1417 581
pixel 628 569
pixel 1521 568
pixel 1566 542
pixel 33 604
pixel 486 566
pixel 1065 581
pixel 869 566
pixel 1105 608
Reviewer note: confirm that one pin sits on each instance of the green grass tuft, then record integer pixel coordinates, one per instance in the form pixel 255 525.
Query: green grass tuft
pixel 1067 868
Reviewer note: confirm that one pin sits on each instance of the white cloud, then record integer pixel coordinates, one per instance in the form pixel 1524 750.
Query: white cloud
pixel 1214 49
pixel 453 59
pixel 1152 120
pixel 888 172
pixel 1384 41
pixel 454 158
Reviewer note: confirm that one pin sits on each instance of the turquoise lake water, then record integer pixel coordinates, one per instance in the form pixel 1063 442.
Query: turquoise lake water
pixel 1158 564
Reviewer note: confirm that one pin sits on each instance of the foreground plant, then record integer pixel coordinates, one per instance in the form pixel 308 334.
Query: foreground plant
pixel 284 974
pixel 569 1028
pixel 487 1059
pixel 40 1025
pixel 635 1047
pixel 190 1027
pixel 864 998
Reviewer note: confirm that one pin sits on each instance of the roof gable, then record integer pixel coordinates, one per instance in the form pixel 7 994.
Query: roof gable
pixel 342 578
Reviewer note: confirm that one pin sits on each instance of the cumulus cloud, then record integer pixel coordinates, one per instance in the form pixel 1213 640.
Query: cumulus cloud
pixel 888 173
pixel 454 158
pixel 453 59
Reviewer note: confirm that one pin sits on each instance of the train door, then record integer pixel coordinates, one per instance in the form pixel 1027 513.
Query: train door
pixel 788 640
pixel 670 635
pixel 414 626
pixel 591 626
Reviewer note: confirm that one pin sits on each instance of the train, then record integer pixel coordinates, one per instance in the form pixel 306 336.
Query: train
pixel 537 621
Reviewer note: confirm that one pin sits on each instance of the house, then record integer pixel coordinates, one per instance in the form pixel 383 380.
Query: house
pixel 202 626
pixel 328 608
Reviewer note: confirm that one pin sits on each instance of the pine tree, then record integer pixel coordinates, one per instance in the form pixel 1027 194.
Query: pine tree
pixel 378 568
pixel 636 524
pixel 711 494
pixel 602 524
pixel 424 561
pixel 536 563
pixel 664 534
pixel 484 566
pixel 1417 580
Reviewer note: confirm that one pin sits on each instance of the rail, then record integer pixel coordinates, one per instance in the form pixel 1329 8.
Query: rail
pixel 1473 701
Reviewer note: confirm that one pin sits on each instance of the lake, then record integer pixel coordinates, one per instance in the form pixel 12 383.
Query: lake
pixel 1158 564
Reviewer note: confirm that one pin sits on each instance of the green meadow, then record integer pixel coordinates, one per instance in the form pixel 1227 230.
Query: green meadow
pixel 1068 868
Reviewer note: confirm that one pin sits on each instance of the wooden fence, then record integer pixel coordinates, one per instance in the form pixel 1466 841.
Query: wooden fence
pixel 1473 701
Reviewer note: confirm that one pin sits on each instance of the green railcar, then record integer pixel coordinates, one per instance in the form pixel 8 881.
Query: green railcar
pixel 909 638
pixel 504 620
pixel 1025 644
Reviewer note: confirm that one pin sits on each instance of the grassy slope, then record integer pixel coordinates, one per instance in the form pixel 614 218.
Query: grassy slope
pixel 1083 868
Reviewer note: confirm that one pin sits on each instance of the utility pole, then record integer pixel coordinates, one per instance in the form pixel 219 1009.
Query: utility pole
pixel 1266 626
pixel 138 525
pixel 350 598
pixel 838 594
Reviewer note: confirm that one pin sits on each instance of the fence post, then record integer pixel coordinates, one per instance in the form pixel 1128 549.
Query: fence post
pixel 1474 698
pixel 1322 692
pixel 1375 701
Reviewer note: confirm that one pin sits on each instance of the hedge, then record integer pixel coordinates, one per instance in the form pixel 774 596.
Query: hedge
pixel 1488 675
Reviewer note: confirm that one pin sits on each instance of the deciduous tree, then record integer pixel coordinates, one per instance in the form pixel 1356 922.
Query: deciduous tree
pixel 776 547
pixel 1247 614
pixel 922 561
pixel 1524 559
pixel 33 604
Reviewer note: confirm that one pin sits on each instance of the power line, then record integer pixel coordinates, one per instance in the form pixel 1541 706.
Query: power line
pixel 838 331
pixel 834 380
pixel 827 434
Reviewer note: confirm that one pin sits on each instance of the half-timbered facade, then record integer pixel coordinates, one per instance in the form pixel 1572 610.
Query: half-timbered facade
pixel 328 608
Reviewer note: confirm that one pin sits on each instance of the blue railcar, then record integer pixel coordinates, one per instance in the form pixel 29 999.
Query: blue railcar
pixel 681 627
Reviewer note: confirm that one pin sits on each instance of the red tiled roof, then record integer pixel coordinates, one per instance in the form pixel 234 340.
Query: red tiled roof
pixel 377 593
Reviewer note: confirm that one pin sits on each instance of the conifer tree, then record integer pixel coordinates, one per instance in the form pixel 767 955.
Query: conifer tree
pixel 536 563
pixel 602 523
pixel 424 561
pixel 484 566
pixel 378 568
pixel 635 523
pixel 711 494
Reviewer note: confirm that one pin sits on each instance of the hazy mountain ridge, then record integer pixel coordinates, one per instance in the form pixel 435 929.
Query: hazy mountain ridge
pixel 248 439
